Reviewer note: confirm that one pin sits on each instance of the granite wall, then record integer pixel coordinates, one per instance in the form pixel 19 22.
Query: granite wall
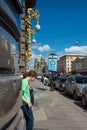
pixel 10 97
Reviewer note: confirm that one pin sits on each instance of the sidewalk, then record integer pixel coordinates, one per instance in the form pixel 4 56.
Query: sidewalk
pixel 53 111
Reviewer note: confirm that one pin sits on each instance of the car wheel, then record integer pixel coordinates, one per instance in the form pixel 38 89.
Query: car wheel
pixel 75 95
pixel 84 102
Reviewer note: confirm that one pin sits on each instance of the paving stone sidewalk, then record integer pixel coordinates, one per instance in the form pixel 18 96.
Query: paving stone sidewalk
pixel 54 111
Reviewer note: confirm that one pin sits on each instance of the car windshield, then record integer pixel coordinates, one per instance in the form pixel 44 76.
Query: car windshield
pixel 81 80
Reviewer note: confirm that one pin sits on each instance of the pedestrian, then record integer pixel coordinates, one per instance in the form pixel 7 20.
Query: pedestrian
pixel 45 82
pixel 26 99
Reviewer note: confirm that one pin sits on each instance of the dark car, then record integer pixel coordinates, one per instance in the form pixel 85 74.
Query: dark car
pixel 60 83
pixel 52 79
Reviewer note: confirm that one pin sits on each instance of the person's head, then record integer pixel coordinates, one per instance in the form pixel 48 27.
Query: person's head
pixel 31 75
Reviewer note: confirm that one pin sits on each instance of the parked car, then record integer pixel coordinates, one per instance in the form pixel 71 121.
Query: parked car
pixel 39 76
pixel 84 96
pixel 52 79
pixel 75 84
pixel 60 83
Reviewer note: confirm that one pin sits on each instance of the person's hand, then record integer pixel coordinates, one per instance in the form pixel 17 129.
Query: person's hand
pixel 29 105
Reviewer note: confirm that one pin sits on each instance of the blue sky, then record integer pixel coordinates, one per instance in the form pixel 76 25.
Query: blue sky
pixel 63 22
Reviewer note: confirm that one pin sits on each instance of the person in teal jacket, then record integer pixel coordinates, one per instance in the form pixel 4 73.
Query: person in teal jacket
pixel 26 98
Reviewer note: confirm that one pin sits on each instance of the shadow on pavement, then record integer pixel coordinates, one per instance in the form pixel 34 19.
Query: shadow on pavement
pixel 78 103
pixel 41 89
pixel 40 129
pixel 67 96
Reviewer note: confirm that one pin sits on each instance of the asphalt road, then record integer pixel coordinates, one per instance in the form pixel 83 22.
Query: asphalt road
pixel 55 111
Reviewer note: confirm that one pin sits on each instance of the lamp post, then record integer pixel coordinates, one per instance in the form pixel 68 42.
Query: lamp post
pixel 32 14
pixel 77 42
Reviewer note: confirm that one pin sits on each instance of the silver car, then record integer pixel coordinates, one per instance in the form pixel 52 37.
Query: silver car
pixel 84 96
pixel 75 84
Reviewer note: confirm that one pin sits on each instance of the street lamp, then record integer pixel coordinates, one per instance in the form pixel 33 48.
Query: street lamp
pixel 77 42
pixel 32 14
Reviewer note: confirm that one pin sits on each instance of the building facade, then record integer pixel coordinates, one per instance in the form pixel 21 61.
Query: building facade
pixel 10 31
pixel 65 63
pixel 23 46
pixel 79 66
pixel 10 42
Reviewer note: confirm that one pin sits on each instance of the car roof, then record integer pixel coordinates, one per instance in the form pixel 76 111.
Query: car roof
pixel 78 75
pixel 62 77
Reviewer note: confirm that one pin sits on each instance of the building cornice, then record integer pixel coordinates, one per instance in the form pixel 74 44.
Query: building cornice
pixel 17 5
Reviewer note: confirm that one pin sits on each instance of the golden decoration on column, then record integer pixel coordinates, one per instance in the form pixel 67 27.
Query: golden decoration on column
pixel 32 14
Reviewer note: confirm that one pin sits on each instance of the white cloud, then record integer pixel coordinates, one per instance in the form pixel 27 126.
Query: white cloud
pixel 76 50
pixel 44 48
pixel 79 50
pixel 35 46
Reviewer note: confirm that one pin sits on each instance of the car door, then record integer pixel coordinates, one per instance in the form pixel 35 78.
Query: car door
pixel 72 85
pixel 57 83
pixel 67 84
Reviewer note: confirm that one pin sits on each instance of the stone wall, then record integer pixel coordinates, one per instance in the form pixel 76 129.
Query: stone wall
pixel 10 97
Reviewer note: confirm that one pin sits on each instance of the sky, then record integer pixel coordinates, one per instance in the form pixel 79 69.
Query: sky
pixel 63 28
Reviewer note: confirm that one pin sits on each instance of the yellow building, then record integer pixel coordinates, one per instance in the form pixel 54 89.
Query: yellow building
pixel 85 64
pixel 80 65
pixel 65 63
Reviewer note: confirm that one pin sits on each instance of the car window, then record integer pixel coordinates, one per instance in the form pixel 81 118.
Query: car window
pixel 72 79
pixel 68 79
pixel 55 78
pixel 63 80
pixel 81 80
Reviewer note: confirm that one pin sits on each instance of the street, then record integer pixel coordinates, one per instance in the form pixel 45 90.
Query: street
pixel 59 51
pixel 55 111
